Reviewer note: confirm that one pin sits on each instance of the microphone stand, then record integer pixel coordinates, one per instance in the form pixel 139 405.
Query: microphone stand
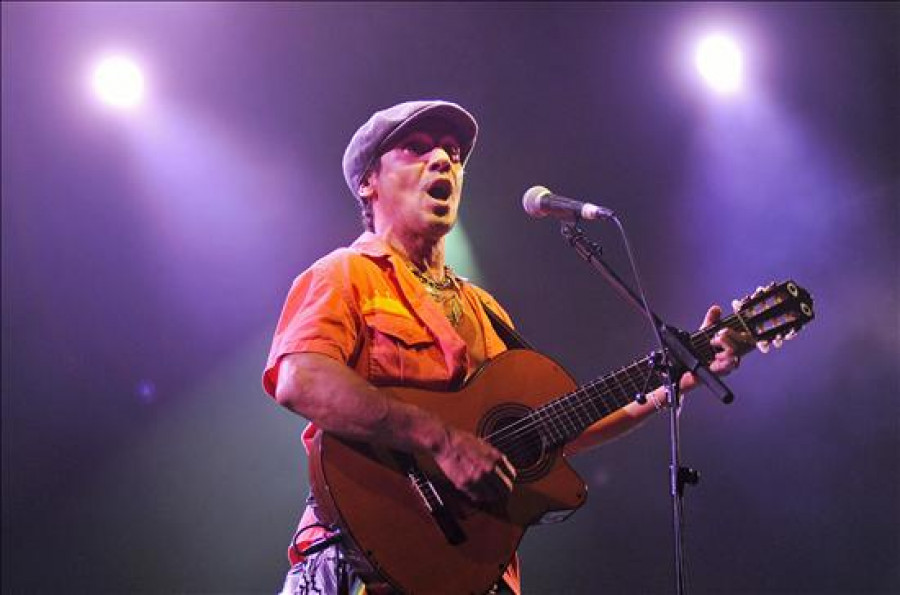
pixel 674 359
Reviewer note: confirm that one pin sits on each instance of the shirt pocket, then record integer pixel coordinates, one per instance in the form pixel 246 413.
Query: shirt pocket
pixel 402 351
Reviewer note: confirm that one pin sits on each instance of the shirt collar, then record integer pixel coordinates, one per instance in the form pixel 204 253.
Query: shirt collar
pixel 372 245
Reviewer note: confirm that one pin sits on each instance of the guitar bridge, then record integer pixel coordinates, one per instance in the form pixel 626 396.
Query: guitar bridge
pixel 438 510
pixel 426 490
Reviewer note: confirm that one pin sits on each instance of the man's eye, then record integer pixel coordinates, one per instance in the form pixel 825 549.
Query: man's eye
pixel 416 147
pixel 453 151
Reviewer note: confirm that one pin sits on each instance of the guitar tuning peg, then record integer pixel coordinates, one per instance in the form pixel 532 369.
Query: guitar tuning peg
pixel 736 305
pixel 763 346
pixel 778 341
pixel 791 334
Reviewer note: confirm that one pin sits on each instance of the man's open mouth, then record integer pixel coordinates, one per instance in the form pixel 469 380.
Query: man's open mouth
pixel 440 189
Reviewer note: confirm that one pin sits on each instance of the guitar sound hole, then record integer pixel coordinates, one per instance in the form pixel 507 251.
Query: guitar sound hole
pixel 507 430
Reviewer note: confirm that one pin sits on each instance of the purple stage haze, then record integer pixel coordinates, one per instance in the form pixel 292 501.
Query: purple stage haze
pixel 146 256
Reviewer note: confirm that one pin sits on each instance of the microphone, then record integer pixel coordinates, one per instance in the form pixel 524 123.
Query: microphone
pixel 540 202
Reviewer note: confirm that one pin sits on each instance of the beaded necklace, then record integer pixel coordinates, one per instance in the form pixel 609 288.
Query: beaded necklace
pixel 444 292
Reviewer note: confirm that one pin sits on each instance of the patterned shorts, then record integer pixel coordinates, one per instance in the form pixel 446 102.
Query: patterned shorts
pixel 322 573
pixel 327 573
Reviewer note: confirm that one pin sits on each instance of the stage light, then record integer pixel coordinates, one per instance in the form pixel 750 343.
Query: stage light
pixel 118 82
pixel 145 391
pixel 720 62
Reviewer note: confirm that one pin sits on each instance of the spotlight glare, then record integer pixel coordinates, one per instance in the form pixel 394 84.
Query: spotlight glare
pixel 719 61
pixel 118 82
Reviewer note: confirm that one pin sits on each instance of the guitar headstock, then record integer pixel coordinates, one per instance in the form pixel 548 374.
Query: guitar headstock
pixel 775 313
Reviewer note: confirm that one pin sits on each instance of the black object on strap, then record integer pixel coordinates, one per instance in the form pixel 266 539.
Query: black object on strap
pixel 508 334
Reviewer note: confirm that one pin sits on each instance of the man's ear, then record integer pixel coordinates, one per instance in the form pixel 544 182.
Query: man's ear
pixel 366 189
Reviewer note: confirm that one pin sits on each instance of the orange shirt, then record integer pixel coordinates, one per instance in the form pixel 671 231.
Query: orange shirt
pixel 363 307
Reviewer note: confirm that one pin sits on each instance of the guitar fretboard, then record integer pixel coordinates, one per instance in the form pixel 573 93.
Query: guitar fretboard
pixel 565 418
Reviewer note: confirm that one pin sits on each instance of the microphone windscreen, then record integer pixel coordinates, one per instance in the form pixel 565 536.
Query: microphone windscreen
pixel 532 200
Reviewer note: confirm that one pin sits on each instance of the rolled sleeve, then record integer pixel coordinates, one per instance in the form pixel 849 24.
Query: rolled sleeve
pixel 317 318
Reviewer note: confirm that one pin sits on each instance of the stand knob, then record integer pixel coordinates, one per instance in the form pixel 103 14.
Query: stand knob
pixel 688 476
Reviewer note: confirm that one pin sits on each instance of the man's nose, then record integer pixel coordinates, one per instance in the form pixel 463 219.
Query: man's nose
pixel 439 160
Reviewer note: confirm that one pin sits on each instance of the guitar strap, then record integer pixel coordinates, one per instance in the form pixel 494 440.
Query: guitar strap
pixel 508 334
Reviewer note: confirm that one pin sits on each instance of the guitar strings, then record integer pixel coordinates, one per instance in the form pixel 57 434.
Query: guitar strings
pixel 603 396
pixel 700 341
pixel 599 392
pixel 582 399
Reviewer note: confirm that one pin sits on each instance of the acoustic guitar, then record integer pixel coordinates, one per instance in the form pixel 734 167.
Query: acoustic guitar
pixel 407 529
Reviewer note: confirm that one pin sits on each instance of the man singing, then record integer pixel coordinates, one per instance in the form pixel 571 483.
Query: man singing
pixel 388 311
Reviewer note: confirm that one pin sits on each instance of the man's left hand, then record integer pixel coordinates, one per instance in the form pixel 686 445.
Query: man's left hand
pixel 729 345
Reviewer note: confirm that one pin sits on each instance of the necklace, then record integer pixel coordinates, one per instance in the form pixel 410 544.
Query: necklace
pixel 445 292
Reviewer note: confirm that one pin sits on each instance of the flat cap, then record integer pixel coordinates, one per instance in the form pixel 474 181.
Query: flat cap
pixel 388 124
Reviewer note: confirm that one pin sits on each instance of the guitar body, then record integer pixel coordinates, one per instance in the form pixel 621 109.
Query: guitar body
pixel 389 532
pixel 407 530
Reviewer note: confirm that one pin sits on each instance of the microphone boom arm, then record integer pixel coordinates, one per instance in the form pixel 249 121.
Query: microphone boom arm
pixel 670 337
pixel 677 358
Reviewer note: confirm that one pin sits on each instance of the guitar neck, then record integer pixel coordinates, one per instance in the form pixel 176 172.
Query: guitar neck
pixel 564 419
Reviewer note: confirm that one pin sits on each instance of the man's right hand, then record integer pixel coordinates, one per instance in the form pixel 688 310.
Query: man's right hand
pixel 475 467
pixel 338 400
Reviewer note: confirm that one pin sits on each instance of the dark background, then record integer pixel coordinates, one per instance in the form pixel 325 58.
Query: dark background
pixel 146 256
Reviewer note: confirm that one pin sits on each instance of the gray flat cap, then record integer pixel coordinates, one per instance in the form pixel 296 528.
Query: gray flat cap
pixel 386 125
